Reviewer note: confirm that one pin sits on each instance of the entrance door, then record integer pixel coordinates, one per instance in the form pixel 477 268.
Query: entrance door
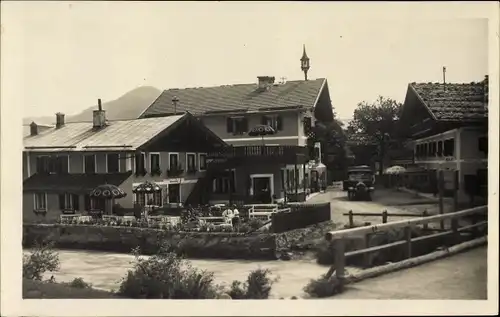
pixel 262 189
pixel 174 193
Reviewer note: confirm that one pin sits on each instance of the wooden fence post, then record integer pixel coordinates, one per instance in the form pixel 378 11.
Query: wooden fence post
pixel 384 216
pixel 441 193
pixel 455 234
pixel 351 219
pixel 367 256
pixel 408 242
pixel 340 262
pixel 425 214
pixel 455 191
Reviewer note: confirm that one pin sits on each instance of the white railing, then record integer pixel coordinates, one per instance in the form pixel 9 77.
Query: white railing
pixel 264 211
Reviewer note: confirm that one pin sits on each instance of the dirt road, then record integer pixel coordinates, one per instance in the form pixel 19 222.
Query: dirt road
pixel 383 199
pixel 461 276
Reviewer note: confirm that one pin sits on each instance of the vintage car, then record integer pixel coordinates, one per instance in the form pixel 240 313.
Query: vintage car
pixel 360 182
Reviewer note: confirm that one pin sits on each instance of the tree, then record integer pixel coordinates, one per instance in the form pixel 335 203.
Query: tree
pixel 332 138
pixel 377 124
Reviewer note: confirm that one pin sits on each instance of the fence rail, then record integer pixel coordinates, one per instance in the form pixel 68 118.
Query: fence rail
pixel 385 215
pixel 338 238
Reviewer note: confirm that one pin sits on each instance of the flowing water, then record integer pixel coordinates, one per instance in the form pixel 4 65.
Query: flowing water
pixel 105 270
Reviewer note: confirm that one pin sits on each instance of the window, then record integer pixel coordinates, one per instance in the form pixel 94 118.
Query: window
pixel 140 163
pixel 40 201
pixel 154 161
pixel 89 163
pixel 191 162
pixel 276 122
pixel 449 147
pixel 90 203
pixel 157 198
pixel 173 161
pixel 203 162
pixel 140 199
pixel 440 148
pixel 237 125
pixel 222 185
pixel 42 164
pixel 113 162
pixel 433 149
pixel 69 202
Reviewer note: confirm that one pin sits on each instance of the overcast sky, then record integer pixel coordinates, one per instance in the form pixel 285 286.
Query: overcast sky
pixel 69 54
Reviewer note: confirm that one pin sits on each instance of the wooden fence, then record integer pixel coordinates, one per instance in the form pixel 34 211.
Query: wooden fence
pixel 338 238
pixel 385 216
pixel 300 215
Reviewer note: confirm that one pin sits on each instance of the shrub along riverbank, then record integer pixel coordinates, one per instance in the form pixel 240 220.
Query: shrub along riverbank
pixel 164 275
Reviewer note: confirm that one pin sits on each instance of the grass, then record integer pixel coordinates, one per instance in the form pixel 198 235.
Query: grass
pixel 38 289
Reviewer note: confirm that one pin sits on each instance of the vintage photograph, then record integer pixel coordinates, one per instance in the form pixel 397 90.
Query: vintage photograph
pixel 243 151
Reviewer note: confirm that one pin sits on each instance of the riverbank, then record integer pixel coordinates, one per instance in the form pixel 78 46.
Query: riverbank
pixel 105 270
pixel 218 245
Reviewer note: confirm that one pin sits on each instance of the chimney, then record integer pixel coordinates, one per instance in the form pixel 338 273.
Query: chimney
pixel 33 129
pixel 99 116
pixel 59 120
pixel 265 82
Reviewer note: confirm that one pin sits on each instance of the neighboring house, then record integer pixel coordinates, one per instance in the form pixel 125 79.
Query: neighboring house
pixel 63 164
pixel 449 127
pixel 254 167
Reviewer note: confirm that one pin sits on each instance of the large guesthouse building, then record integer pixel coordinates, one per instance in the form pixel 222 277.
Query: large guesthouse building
pixel 62 164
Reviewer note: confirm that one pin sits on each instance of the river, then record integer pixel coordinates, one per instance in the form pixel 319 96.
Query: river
pixel 105 270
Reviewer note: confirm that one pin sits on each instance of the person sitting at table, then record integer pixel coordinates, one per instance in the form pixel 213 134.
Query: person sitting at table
pixel 236 216
pixel 228 215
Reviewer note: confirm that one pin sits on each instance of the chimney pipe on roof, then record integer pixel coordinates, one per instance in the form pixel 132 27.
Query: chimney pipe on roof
pixel 265 82
pixel 33 128
pixel 444 77
pixel 59 120
pixel 99 119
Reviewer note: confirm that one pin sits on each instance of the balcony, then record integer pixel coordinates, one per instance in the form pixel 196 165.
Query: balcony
pixel 287 154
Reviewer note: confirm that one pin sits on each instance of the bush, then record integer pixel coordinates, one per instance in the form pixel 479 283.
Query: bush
pixel 257 286
pixel 165 275
pixel 79 283
pixel 42 259
pixel 323 287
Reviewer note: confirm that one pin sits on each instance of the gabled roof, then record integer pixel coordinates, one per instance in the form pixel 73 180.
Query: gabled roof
pixel 72 182
pixel 117 135
pixel 453 102
pixel 241 97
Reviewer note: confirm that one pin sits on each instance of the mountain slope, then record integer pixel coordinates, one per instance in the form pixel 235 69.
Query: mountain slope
pixel 128 106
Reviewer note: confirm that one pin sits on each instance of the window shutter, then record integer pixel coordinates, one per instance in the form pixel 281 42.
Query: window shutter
pixel 138 160
pixel 229 124
pixel 61 201
pixel 279 123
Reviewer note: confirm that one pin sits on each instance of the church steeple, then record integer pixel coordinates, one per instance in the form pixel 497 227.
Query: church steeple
pixel 304 63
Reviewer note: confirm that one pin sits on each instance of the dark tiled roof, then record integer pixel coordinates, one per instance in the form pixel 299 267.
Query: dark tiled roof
pixel 244 97
pixel 72 182
pixel 458 102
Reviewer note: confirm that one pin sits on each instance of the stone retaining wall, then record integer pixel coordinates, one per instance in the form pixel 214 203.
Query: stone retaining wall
pixel 124 239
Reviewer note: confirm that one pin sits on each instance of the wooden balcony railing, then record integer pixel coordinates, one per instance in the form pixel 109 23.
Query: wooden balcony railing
pixel 252 151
